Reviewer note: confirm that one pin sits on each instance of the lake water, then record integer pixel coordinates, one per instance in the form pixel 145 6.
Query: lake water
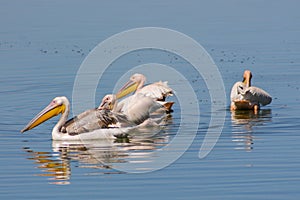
pixel 42 45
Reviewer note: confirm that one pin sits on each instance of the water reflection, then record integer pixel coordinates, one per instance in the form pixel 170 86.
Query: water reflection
pixel 95 154
pixel 244 123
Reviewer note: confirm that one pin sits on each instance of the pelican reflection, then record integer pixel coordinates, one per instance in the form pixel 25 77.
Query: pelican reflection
pixel 243 124
pixel 101 155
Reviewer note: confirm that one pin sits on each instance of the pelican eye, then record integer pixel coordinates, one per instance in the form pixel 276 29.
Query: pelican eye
pixel 57 101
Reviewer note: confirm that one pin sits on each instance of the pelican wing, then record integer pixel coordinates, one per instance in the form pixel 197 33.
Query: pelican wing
pixel 137 107
pixel 236 90
pixel 255 94
pixel 158 90
pixel 93 119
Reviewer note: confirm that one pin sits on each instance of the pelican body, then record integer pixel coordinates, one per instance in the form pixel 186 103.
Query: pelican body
pixel 137 108
pixel 91 124
pixel 246 97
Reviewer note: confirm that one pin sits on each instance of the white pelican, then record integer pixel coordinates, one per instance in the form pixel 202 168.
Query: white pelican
pixel 91 124
pixel 157 91
pixel 134 110
pixel 246 97
pixel 138 108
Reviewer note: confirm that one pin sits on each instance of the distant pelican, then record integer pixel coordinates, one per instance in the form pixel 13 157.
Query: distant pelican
pixel 91 124
pixel 157 91
pixel 246 97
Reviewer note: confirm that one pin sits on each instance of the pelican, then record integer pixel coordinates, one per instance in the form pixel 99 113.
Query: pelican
pixel 157 91
pixel 91 124
pixel 134 110
pixel 246 97
pixel 138 108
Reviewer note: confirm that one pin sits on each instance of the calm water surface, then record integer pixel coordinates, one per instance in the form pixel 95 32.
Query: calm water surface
pixel 43 43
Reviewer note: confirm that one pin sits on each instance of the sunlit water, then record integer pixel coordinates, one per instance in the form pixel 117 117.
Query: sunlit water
pixel 42 45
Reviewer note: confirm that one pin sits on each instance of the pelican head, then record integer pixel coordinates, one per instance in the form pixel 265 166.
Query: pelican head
pixel 247 78
pixel 135 82
pixel 108 102
pixel 58 105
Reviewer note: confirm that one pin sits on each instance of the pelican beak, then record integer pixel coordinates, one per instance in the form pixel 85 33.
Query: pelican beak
pixel 102 105
pixel 50 111
pixel 129 87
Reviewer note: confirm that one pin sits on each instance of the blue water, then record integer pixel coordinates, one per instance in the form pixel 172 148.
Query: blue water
pixel 42 45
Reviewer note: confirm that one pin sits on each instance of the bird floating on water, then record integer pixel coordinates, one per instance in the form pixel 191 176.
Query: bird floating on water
pixel 137 109
pixel 106 121
pixel 158 91
pixel 91 124
pixel 244 96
